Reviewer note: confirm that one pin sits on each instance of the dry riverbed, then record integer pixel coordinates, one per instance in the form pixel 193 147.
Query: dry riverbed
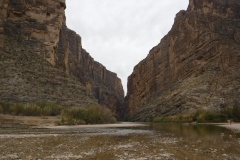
pixel 125 141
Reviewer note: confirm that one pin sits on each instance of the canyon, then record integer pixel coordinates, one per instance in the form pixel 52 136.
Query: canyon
pixel 194 67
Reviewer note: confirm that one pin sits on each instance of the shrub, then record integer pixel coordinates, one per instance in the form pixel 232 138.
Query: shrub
pixel 176 118
pixel 201 116
pixel 16 109
pixel 49 109
pixel 31 109
pixel 159 119
pixel 204 116
pixel 70 116
pixel 87 115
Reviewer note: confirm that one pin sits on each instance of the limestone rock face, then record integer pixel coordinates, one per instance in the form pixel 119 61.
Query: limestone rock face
pixel 103 84
pixel 41 59
pixel 35 20
pixel 195 66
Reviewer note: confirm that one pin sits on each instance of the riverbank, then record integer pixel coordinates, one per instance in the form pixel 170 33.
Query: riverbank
pixel 233 126
pixel 114 125
pixel 10 121
pixel 159 141
pixel 51 122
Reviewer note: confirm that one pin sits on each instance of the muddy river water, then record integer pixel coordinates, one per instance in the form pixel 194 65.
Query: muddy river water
pixel 122 142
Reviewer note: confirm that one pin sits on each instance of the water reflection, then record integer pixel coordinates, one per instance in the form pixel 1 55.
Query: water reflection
pixel 202 136
pixel 191 130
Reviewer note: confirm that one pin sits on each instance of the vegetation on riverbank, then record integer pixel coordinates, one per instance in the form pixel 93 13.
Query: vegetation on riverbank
pixel 69 115
pixel 30 109
pixel 203 116
pixel 87 115
pixel 100 115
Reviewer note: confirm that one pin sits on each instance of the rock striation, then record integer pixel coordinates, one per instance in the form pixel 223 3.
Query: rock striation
pixel 42 60
pixel 195 66
pixel 103 84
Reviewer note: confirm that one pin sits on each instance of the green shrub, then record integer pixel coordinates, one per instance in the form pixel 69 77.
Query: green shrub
pixel 72 117
pixel 16 109
pixel 69 120
pixel 204 116
pixel 49 109
pixel 159 119
pixel 176 118
pixel 31 109
pixel 87 115
pixel 201 116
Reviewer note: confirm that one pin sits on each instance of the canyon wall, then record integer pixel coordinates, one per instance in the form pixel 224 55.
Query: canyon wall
pixel 41 59
pixel 195 66
pixel 103 84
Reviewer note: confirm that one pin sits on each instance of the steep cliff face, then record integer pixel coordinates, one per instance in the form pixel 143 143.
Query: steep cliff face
pixel 29 35
pixel 103 84
pixel 195 66
pixel 41 59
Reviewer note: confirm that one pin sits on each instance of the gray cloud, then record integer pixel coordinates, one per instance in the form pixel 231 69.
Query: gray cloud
pixel 120 33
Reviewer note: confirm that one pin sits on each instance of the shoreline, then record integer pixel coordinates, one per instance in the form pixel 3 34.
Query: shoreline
pixel 114 125
pixel 233 126
pixel 9 121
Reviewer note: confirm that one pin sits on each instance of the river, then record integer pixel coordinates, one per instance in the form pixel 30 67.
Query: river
pixel 125 141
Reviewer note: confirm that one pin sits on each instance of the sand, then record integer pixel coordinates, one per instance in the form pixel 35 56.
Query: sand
pixel 233 126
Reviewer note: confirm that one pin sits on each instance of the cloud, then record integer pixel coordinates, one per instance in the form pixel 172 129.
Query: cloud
pixel 120 33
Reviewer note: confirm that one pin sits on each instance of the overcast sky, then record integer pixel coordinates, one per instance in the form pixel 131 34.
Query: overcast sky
pixel 120 33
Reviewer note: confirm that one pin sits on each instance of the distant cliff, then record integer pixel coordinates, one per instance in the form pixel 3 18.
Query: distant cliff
pixel 75 61
pixel 41 59
pixel 195 66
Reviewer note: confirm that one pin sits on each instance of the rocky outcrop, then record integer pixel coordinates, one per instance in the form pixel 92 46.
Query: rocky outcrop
pixel 41 59
pixel 195 66
pixel 34 20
